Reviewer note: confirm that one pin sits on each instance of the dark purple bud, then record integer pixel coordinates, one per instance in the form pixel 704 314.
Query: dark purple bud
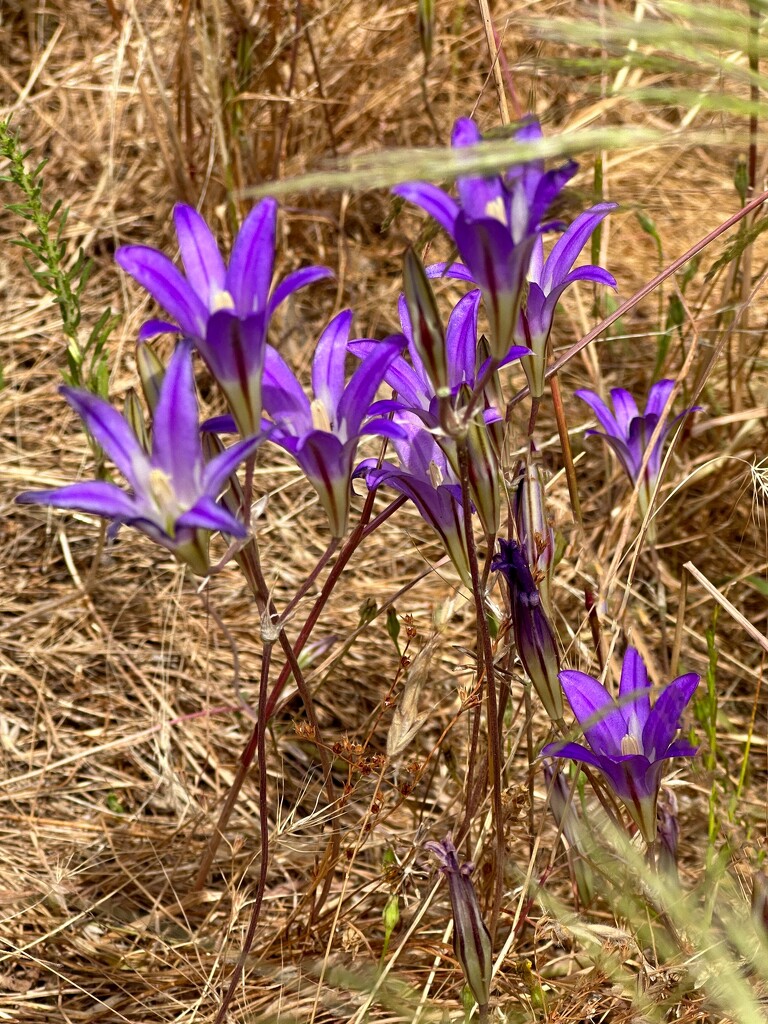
pixel 471 939
pixel 534 636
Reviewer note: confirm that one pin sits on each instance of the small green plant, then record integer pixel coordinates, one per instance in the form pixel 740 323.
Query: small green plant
pixel 54 269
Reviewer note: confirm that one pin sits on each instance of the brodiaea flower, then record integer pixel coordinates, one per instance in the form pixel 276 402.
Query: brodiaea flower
pixel 426 477
pixel 495 224
pixel 173 491
pixel 323 435
pixel 628 433
pixel 225 310
pixel 547 280
pixel 629 742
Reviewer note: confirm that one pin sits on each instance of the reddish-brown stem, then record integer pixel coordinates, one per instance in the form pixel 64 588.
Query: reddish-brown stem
pixel 264 831
pixel 485 667
pixel 249 562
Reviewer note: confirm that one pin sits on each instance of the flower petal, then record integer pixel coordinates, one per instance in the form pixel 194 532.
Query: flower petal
pixel 664 720
pixel 596 712
pixel 94 496
pixel 253 256
pixel 152 328
pixel 293 282
pixel 167 286
pixel 225 463
pixel 111 431
pixel 361 390
pixel 437 203
pixel 206 514
pixel 176 447
pixel 573 751
pixel 625 409
pixel 461 339
pixel 601 410
pixel 328 366
pixel 634 692
pixel 657 397
pixel 569 245
pixel 283 396
pixel 200 254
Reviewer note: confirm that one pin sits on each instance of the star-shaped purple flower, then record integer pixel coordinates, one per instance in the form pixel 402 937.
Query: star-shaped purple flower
pixel 323 434
pixel 628 433
pixel 426 477
pixel 629 742
pixel 547 280
pixel 173 497
pixel 225 310
pixel 495 225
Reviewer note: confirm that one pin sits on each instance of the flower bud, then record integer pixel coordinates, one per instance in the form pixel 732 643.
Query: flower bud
pixel 426 21
pixel 135 416
pixel 471 938
pixel 151 373
pixel 534 636
pixel 426 324
pixel 572 827
pixel 533 528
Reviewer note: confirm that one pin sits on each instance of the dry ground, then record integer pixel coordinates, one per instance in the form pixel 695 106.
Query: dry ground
pixel 119 726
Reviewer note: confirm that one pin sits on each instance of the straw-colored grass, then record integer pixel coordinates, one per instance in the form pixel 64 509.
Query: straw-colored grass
pixel 120 722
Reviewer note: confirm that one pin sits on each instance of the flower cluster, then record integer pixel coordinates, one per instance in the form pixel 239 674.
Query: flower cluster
pixel 445 426
pixel 224 314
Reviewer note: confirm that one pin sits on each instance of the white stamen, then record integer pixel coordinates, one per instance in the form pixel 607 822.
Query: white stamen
pixel 320 418
pixel 629 745
pixel 221 300
pixel 435 474
pixel 497 210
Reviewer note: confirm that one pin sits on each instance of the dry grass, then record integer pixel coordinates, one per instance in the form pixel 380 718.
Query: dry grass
pixel 119 724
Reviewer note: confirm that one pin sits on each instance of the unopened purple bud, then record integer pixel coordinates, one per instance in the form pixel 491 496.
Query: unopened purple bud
pixel 471 938
pixel 534 636
pixel 426 324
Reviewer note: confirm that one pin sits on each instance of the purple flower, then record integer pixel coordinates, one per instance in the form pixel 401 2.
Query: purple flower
pixel 471 938
pixel 534 636
pixel 173 491
pixel 442 414
pixel 426 477
pixel 323 434
pixel 547 280
pixel 628 433
pixel 495 225
pixel 629 742
pixel 224 310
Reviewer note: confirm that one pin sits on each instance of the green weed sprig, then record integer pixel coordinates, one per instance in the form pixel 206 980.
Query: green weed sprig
pixel 49 264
